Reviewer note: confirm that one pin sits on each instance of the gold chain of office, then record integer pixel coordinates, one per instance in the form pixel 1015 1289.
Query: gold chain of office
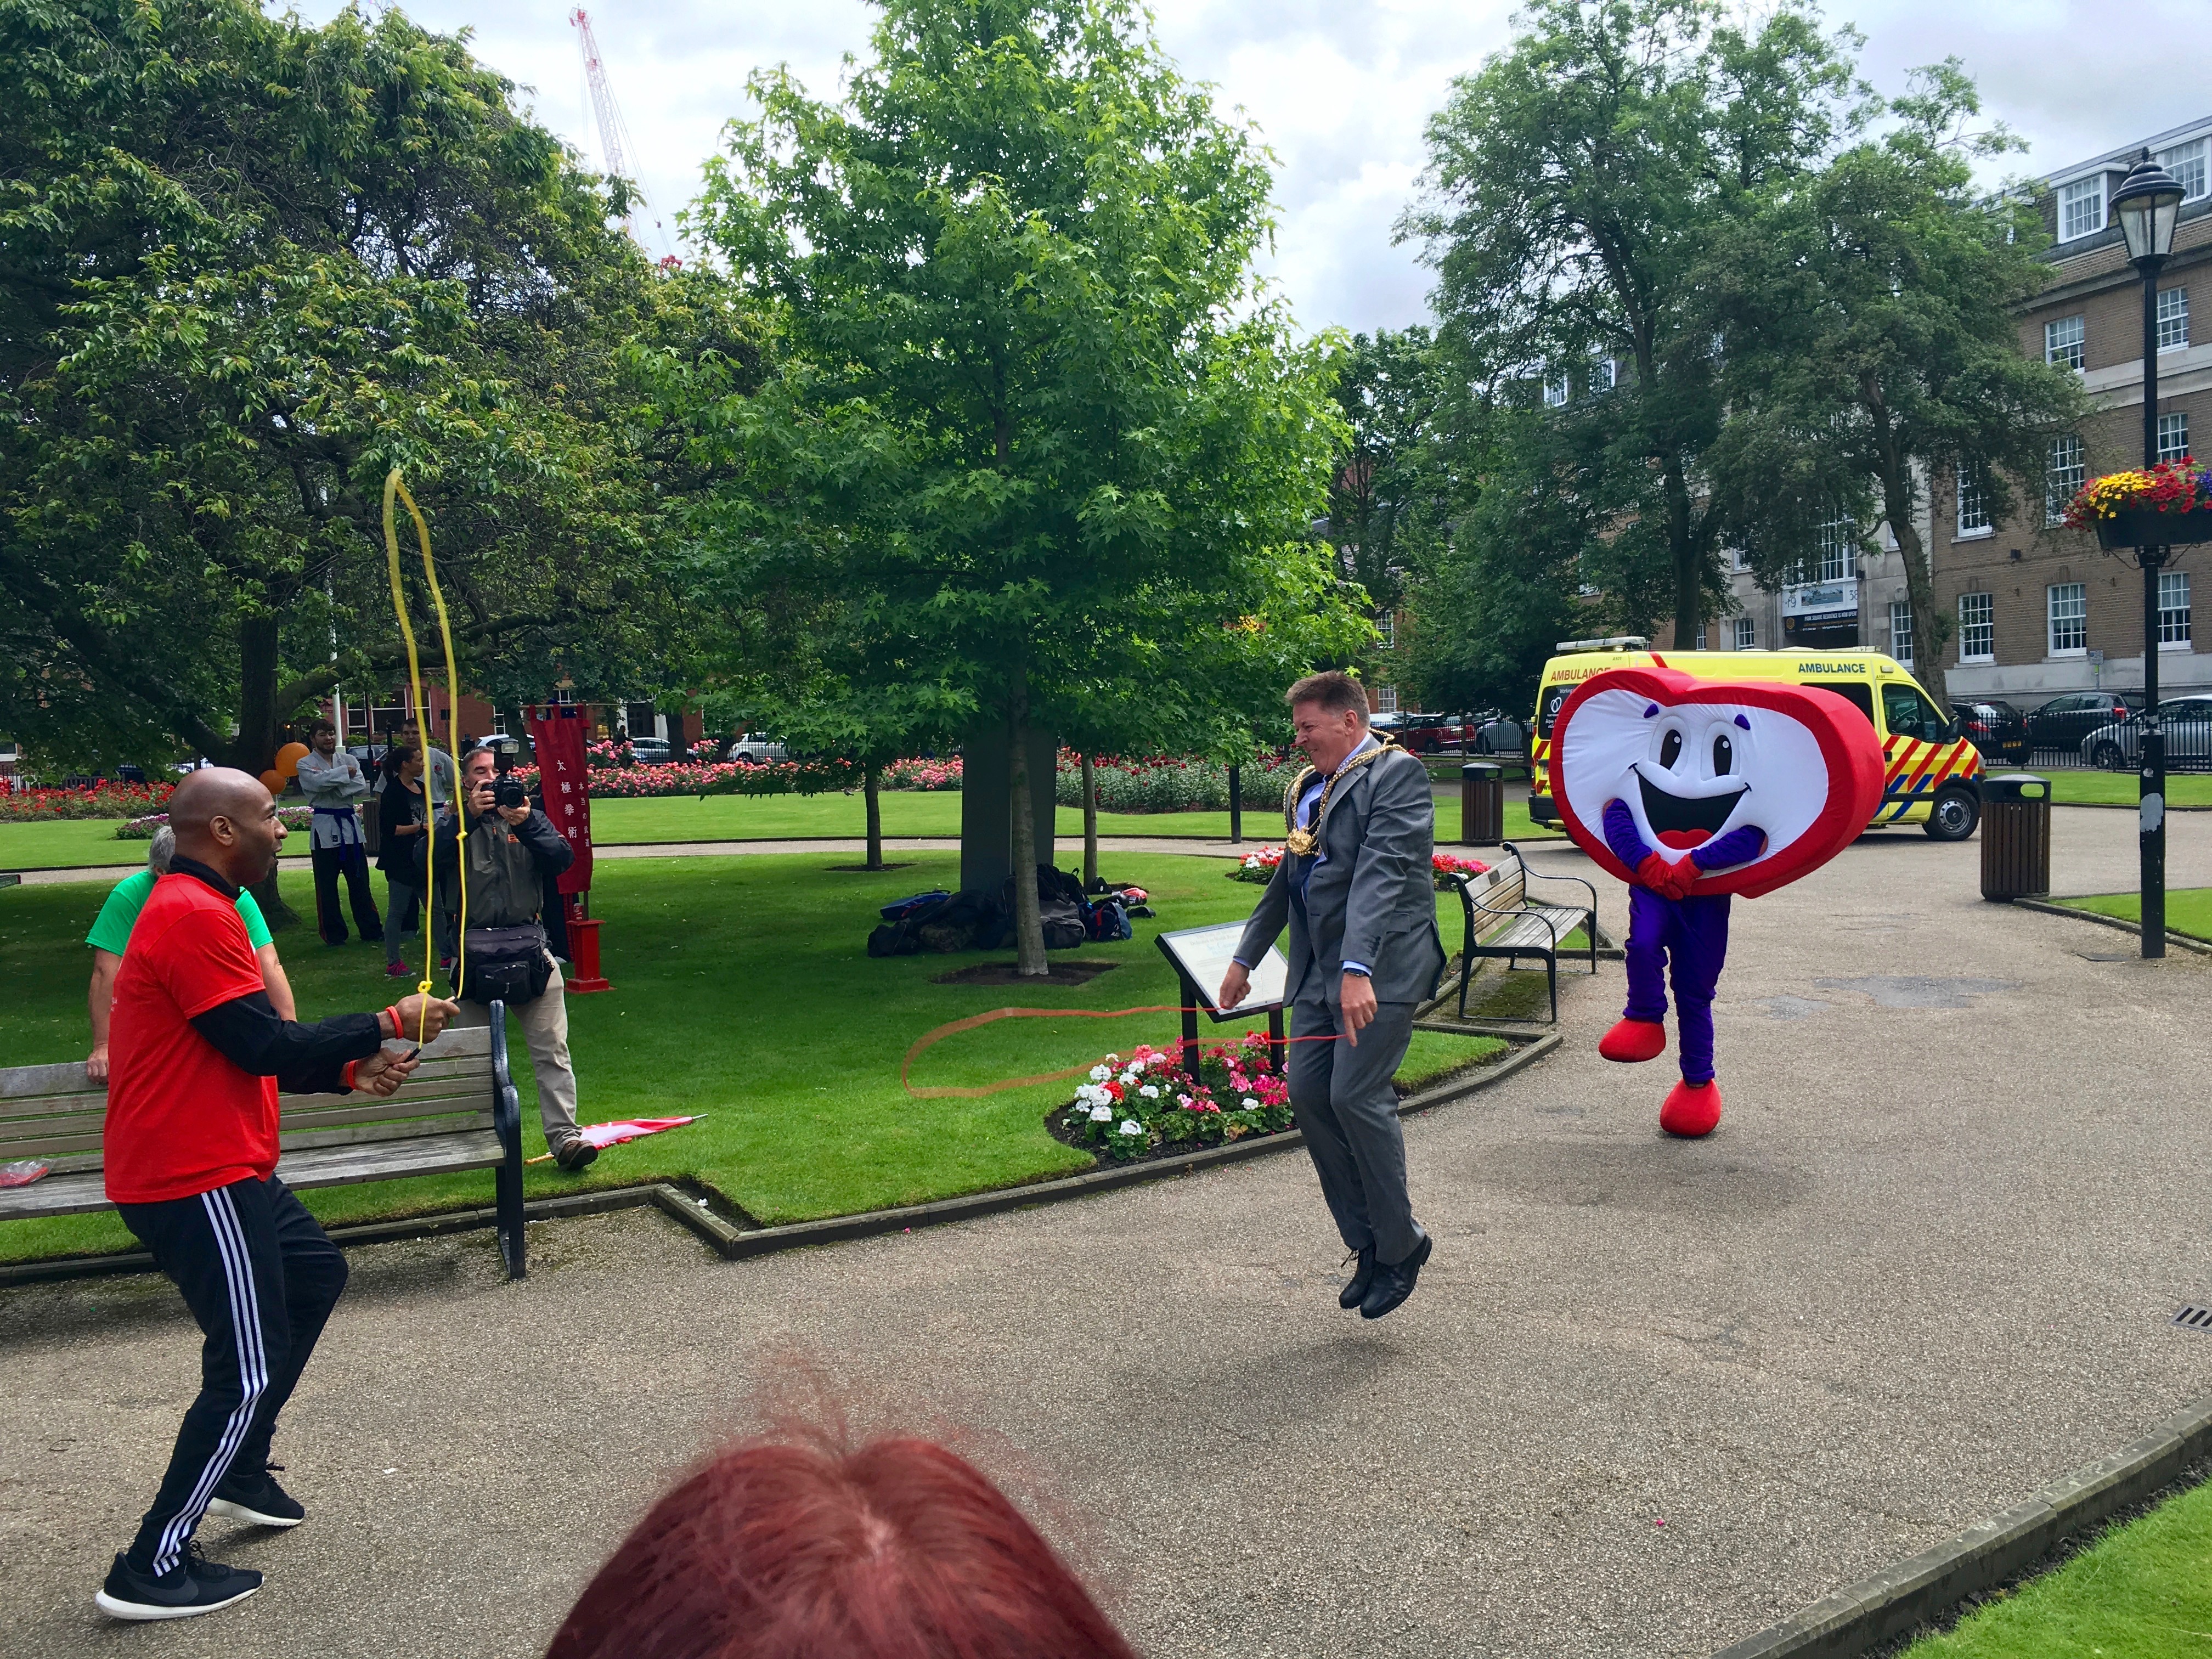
pixel 1304 841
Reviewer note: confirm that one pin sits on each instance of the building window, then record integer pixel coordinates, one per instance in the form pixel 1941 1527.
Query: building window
pixel 498 724
pixel 2062 341
pixel 2062 477
pixel 1555 390
pixel 1739 559
pixel 1835 545
pixel 2173 436
pixel 1701 636
pixel 1386 624
pixel 1746 635
pixel 2186 163
pixel 1901 630
pixel 1973 504
pixel 1602 375
pixel 2174 607
pixel 1386 699
pixel 1978 632
pixel 2173 318
pixel 2082 209
pixel 2070 619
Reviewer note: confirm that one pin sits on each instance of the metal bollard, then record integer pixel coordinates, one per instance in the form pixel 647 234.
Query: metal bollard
pixel 1482 804
pixel 2015 835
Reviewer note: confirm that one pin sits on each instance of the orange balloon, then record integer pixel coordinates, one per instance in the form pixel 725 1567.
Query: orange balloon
pixel 288 758
pixel 273 780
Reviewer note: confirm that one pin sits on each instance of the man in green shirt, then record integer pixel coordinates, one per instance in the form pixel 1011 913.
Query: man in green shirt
pixel 111 936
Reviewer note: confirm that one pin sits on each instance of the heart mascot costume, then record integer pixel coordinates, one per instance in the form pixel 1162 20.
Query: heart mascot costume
pixel 1693 791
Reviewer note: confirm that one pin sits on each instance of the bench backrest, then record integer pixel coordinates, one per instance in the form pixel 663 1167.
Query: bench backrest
pixel 51 1112
pixel 1503 886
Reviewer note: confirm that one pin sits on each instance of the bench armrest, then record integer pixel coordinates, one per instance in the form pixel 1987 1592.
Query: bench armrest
pixel 1529 875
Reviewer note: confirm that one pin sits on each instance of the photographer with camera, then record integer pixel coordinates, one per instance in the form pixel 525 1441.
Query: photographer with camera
pixel 506 853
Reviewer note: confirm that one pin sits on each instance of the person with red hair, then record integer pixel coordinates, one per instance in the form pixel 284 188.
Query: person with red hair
pixel 809 1550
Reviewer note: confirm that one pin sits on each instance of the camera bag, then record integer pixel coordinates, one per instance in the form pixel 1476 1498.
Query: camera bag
pixel 505 964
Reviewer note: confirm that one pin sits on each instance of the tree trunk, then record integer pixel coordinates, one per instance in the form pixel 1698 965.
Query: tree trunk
pixel 871 787
pixel 1688 559
pixel 1928 633
pixel 1029 924
pixel 518 727
pixel 254 749
pixel 1090 826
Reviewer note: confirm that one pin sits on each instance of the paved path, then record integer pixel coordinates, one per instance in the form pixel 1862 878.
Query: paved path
pixel 1650 1395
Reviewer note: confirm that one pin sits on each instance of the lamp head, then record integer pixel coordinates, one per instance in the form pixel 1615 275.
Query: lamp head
pixel 2147 205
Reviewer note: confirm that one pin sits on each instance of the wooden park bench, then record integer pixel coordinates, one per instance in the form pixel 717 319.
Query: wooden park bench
pixel 460 1111
pixel 1501 921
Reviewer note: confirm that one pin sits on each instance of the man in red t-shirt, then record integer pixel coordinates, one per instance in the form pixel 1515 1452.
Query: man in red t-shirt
pixel 197 1054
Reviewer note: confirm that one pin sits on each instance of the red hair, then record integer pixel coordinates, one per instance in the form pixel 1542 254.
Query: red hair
pixel 898 1549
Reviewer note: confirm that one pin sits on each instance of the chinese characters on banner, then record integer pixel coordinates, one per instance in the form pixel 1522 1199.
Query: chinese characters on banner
pixel 564 778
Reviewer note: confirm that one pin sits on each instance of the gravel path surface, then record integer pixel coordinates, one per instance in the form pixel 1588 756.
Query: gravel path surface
pixel 1649 1397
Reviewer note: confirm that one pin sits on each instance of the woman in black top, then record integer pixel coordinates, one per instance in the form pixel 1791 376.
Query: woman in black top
pixel 401 815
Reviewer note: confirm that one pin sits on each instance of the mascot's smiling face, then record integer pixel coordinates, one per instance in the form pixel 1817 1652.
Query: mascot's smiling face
pixel 1693 759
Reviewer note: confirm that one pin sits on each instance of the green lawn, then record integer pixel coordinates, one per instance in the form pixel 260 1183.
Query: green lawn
pixel 76 844
pixel 743 991
pixel 2188 909
pixel 2142 1591
pixel 2121 788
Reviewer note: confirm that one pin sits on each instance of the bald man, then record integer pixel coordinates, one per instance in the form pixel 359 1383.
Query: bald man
pixel 197 1054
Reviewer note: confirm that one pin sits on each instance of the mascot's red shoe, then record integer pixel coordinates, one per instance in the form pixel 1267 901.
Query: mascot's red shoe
pixel 1632 1040
pixel 1692 1109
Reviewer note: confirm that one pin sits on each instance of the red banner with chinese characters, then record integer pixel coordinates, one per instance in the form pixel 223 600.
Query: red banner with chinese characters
pixel 564 778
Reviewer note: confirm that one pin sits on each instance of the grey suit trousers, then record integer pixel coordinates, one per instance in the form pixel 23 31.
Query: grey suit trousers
pixel 1343 1100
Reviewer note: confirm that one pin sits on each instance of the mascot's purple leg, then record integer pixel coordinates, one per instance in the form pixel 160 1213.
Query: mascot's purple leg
pixel 1698 946
pixel 1649 921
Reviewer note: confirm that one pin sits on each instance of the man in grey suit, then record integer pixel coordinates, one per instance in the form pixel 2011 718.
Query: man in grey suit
pixel 1357 886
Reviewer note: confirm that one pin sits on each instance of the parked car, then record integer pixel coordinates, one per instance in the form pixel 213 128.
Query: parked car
pixel 2063 722
pixel 1993 725
pixel 1426 734
pixel 756 749
pixel 651 751
pixel 2188 723
pixel 1392 723
pixel 1501 735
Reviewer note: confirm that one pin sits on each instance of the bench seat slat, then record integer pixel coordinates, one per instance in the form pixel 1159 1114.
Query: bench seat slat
pixel 66 1077
pixel 369 1109
pixel 361 1133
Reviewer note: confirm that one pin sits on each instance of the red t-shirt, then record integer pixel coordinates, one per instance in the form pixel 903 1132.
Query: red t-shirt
pixel 181 1119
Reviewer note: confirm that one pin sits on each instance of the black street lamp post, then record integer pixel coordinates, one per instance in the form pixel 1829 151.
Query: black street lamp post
pixel 2148 203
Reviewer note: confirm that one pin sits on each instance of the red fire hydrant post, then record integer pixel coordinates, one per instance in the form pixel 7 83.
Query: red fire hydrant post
pixel 583 950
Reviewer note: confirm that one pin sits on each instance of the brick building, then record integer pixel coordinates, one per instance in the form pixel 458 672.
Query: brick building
pixel 2037 609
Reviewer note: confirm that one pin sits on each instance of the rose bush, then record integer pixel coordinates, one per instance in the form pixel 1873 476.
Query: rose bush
pixel 1173 784
pixel 292 817
pixel 718 778
pixel 1148 1101
pixel 926 775
pixel 96 800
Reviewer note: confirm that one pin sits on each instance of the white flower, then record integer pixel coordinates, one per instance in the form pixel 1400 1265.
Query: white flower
pixel 1101 1113
pixel 1099 1073
pixel 1151 1091
pixel 1132 1074
pixel 1250 1104
pixel 1112 1059
pixel 1131 1126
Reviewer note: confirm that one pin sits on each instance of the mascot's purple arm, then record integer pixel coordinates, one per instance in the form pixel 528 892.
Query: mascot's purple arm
pixel 1693 932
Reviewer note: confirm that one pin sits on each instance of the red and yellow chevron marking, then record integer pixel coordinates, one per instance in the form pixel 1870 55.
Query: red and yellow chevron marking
pixel 1916 771
pixel 1540 780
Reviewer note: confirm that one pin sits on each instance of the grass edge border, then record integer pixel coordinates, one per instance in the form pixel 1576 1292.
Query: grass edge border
pixel 2061 907
pixel 1922 1589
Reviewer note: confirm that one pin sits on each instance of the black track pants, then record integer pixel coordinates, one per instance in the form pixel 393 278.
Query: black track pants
pixel 260 1277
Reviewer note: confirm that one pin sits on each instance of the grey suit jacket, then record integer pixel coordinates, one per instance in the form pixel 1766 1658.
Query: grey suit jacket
pixel 1374 900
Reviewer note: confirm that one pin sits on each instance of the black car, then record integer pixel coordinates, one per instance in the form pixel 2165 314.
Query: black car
pixel 2063 722
pixel 1994 726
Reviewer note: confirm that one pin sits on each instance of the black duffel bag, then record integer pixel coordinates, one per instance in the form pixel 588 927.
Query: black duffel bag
pixel 504 964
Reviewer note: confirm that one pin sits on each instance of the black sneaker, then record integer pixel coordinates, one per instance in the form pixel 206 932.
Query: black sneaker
pixel 194 1585
pixel 257 1501
pixel 575 1153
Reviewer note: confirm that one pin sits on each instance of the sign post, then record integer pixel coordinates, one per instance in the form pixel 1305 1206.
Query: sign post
pixel 1201 956
pixel 564 779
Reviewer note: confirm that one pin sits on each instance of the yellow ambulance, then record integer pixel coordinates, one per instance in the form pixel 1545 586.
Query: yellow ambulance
pixel 1933 774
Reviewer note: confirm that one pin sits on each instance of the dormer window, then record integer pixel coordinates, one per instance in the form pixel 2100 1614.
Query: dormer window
pixel 2082 207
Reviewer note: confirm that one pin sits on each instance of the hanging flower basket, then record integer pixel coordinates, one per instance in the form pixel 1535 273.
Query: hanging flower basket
pixel 2168 505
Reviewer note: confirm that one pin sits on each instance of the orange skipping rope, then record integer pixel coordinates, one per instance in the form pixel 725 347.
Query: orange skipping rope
pixel 929 1039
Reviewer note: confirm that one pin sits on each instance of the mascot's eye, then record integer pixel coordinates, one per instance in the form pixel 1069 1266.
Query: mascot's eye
pixel 1670 750
pixel 1723 756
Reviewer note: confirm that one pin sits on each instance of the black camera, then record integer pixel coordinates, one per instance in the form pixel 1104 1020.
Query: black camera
pixel 509 791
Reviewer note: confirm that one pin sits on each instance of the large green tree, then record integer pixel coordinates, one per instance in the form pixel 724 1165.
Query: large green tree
pixel 245 266
pixel 1869 309
pixel 1038 435
pixel 1574 183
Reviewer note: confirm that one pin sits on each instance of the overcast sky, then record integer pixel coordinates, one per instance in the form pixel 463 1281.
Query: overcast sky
pixel 1341 91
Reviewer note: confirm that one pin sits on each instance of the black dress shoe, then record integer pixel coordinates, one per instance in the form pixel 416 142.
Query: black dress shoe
pixel 1356 1293
pixel 1392 1284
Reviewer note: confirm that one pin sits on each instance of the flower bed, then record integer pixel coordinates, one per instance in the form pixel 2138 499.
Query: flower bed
pixel 1148 1104
pixel 924 775
pixel 97 800
pixel 1173 784
pixel 142 829
pixel 714 778
pixel 1260 867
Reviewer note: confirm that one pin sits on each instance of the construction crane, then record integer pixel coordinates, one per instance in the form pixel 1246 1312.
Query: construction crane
pixel 614 145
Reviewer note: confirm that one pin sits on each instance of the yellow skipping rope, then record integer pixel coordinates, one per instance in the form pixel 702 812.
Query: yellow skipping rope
pixel 393 488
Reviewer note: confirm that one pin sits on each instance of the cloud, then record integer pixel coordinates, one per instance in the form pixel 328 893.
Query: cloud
pixel 1341 93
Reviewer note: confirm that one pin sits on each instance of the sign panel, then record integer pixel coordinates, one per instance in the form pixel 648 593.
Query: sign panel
pixel 1204 955
pixel 1821 601
pixel 564 779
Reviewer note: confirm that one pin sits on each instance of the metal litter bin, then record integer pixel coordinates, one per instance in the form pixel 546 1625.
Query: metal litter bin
pixel 2015 835
pixel 1482 804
